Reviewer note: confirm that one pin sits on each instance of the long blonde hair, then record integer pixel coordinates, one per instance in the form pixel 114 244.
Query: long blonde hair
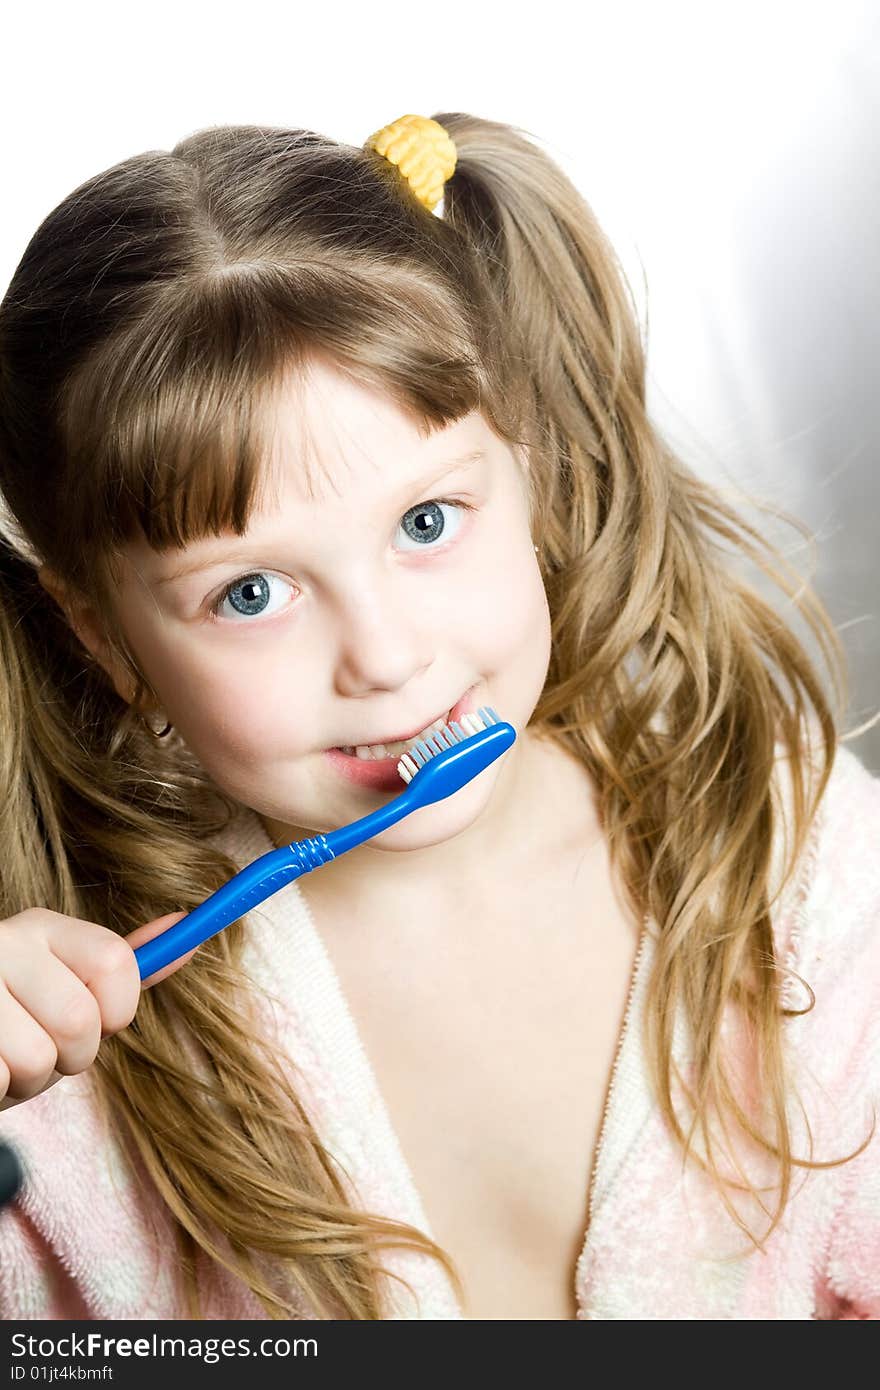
pixel 153 315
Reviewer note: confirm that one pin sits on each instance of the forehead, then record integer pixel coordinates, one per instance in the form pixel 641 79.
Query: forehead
pixel 329 434
pixel 331 441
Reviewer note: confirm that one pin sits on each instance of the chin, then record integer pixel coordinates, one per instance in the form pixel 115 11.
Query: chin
pixel 432 825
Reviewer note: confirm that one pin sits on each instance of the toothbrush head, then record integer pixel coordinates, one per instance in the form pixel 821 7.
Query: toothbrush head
pixel 455 754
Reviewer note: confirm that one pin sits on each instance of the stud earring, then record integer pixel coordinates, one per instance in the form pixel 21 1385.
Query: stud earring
pixel 157 733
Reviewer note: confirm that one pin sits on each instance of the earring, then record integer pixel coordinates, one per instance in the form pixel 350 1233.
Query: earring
pixel 157 733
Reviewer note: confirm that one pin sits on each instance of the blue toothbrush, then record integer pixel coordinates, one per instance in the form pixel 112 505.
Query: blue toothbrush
pixel 432 768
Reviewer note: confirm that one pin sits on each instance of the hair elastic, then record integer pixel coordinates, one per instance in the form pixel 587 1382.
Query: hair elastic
pixel 423 151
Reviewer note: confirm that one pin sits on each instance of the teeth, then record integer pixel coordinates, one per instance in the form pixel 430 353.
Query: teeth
pixel 376 751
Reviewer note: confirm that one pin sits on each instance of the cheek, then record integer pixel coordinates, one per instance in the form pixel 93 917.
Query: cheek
pixel 241 725
pixel 507 608
pixel 254 704
pixel 537 626
pixel 230 700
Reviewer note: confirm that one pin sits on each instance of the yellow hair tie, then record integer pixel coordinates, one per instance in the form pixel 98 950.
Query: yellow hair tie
pixel 423 152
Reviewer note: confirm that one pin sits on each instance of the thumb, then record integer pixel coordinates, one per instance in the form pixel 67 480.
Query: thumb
pixel 155 928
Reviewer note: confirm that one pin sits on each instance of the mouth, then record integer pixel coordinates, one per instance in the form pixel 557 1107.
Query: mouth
pixel 393 749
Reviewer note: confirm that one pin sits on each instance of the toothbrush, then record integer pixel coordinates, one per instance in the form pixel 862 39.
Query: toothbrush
pixel 433 768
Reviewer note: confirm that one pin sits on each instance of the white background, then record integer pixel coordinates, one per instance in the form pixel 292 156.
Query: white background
pixel 732 153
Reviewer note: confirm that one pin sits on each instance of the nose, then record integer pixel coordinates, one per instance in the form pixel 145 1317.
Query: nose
pixel 382 642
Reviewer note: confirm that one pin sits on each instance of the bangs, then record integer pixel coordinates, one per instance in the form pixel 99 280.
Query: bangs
pixel 170 429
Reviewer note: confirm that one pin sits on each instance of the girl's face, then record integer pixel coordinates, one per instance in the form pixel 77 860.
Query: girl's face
pixel 351 615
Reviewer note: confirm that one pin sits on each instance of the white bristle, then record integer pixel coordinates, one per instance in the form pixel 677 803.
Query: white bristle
pixel 423 750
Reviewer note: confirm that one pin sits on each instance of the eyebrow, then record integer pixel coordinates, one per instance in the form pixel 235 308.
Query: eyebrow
pixel 437 473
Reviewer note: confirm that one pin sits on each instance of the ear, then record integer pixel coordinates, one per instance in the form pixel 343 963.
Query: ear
pixel 80 616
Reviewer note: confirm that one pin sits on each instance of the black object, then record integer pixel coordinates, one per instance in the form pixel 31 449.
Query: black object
pixel 10 1174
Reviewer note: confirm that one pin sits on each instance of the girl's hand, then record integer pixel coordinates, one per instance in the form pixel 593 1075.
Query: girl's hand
pixel 65 985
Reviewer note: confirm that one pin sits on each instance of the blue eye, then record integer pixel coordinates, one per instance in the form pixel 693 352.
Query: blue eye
pixel 248 595
pixel 424 524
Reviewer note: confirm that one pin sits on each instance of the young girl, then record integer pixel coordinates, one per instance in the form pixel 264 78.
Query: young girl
pixel 294 465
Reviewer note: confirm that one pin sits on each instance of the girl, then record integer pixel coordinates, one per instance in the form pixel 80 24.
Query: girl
pixel 293 466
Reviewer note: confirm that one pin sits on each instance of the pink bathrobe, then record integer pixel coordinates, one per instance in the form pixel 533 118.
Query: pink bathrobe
pixel 81 1240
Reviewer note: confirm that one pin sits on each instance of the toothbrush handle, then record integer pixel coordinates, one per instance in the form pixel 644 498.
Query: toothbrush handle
pixel 250 886
pixel 256 881
pixel 269 873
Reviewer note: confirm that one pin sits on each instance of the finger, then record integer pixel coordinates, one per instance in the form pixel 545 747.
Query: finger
pixel 148 932
pixel 60 1005
pixel 28 1053
pixel 105 965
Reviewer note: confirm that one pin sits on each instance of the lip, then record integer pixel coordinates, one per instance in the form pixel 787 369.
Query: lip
pixel 461 708
pixel 381 774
